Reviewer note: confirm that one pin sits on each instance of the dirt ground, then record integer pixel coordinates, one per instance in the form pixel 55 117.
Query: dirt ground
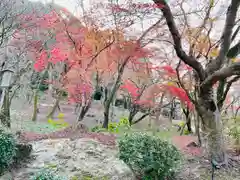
pixel 195 167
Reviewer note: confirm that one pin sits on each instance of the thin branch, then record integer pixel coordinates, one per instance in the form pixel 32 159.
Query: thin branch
pixel 181 85
pixel 99 52
pixel 226 37
pixel 235 33
pixel 149 29
pixel 191 61
pixel 141 118
pixel 206 18
pixel 229 84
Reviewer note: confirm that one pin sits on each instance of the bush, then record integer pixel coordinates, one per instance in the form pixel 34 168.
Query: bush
pixel 148 156
pixel 98 129
pixel 7 150
pixel 185 131
pixel 47 174
pixel 113 127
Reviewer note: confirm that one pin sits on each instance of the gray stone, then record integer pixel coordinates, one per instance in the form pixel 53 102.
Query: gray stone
pixel 76 158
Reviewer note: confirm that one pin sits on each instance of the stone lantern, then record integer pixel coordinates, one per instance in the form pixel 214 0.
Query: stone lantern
pixel 6 81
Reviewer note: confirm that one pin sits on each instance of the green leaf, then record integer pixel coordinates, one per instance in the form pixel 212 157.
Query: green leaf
pixel 235 33
pixel 234 51
pixel 211 3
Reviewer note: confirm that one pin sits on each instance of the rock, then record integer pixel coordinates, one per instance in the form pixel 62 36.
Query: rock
pixel 76 158
pixel 6 176
pixel 23 152
pixel 23 149
pixel 192 144
pixel 90 115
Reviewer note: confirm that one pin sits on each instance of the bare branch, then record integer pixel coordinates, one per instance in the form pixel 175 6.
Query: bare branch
pixel 180 84
pixel 222 74
pixel 149 29
pixel 235 33
pixel 229 84
pixel 226 38
pixel 203 25
pixel 191 61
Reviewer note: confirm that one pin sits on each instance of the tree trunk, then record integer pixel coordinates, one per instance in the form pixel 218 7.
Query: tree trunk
pixel 56 105
pixel 35 108
pixel 77 108
pixel 172 110
pixel 216 144
pixel 106 114
pixel 197 128
pixel 213 127
pixel 110 95
pixel 188 119
pixel 141 118
pixel 50 85
pixel 189 126
pixel 84 110
pixel 131 116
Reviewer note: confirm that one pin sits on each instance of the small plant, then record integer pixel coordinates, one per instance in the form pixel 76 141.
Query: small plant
pixel 7 150
pixel 148 156
pixel 124 122
pixel 98 129
pixel 185 130
pixel 113 127
pixel 234 132
pixel 47 174
pixel 60 116
pixel 60 123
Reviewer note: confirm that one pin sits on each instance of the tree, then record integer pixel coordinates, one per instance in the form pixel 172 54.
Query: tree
pixel 85 50
pixel 218 69
pixel 12 57
pixel 134 88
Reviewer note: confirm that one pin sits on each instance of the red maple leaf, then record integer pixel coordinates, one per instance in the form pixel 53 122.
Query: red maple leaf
pixel 169 70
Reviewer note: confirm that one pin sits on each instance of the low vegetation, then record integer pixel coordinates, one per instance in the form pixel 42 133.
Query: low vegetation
pixel 47 174
pixel 7 150
pixel 149 156
pixel 146 60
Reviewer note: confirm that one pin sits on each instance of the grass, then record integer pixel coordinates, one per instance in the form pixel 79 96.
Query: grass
pixel 30 126
pixel 161 133
pixel 203 173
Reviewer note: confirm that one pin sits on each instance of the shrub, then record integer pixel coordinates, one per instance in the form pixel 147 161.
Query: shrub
pixel 98 129
pixel 113 127
pixel 124 122
pixel 47 174
pixel 7 150
pixel 58 124
pixel 148 156
pixel 185 130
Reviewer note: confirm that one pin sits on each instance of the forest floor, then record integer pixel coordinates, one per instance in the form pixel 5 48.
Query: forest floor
pixel 195 167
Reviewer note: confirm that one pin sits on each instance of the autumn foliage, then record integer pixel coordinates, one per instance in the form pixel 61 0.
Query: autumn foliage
pixel 57 37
